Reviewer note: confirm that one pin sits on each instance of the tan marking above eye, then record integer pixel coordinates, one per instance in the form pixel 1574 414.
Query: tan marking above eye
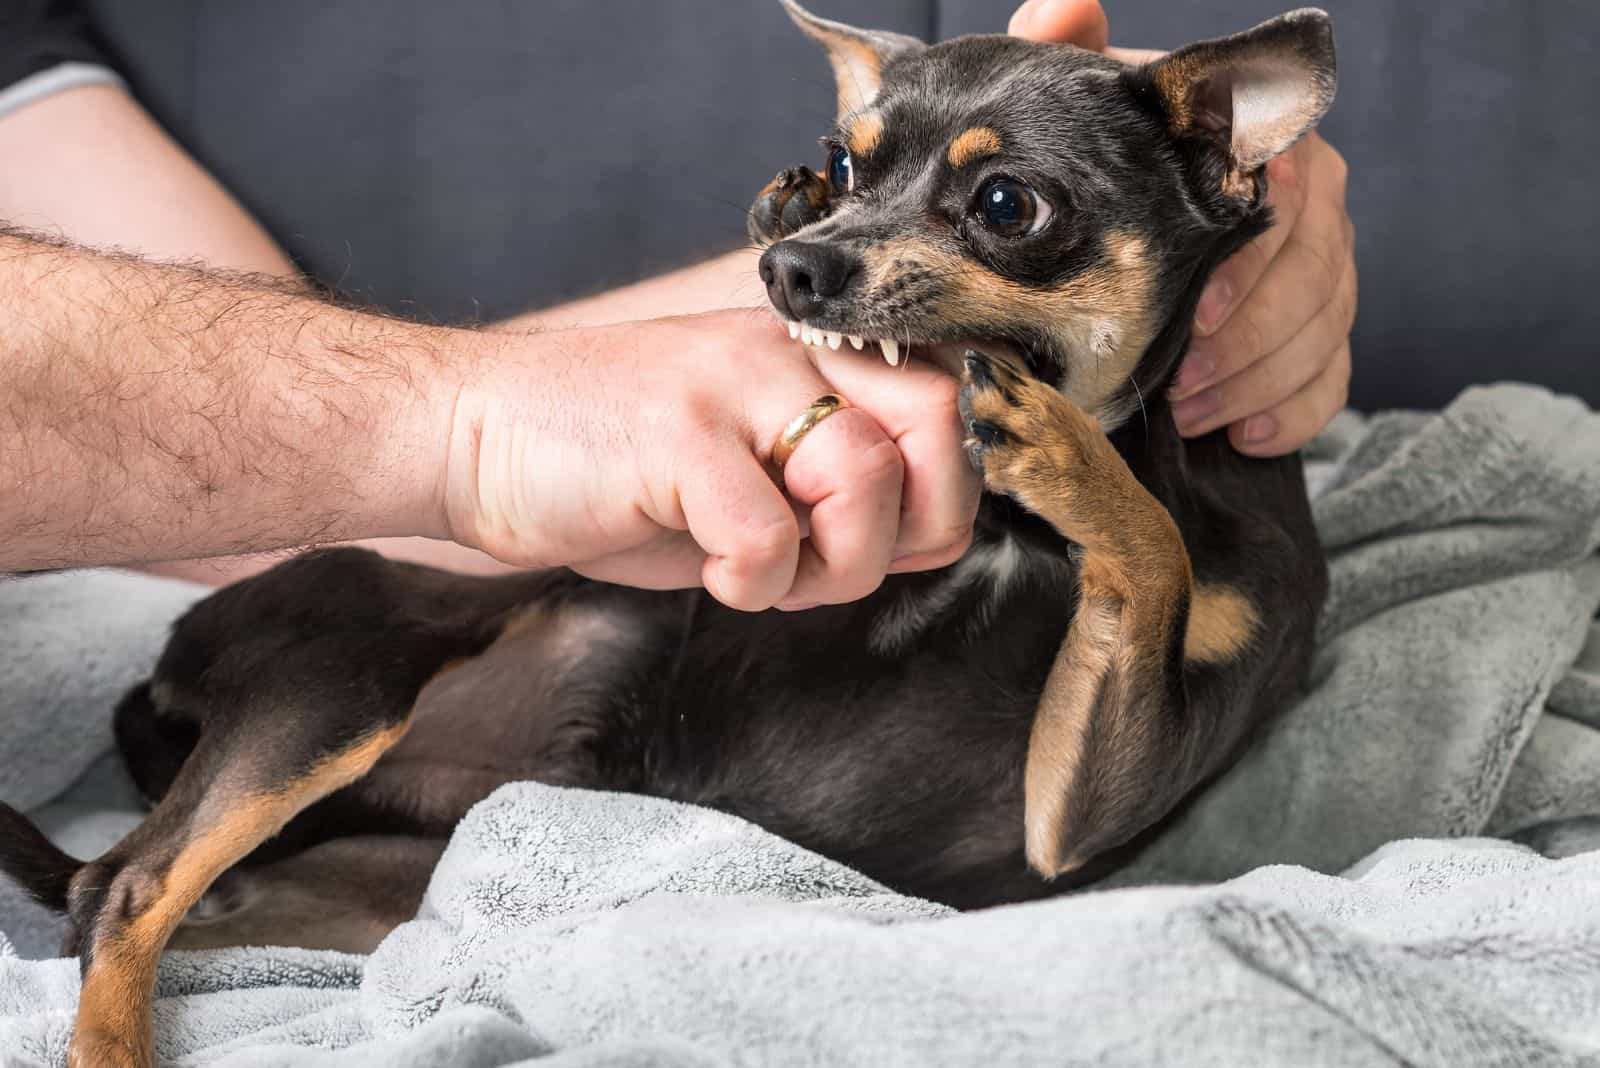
pixel 865 133
pixel 1222 621
pixel 973 145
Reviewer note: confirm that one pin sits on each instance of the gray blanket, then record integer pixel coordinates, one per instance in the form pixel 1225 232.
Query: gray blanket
pixel 1456 692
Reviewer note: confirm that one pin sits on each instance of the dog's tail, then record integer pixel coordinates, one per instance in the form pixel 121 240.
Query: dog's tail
pixel 33 862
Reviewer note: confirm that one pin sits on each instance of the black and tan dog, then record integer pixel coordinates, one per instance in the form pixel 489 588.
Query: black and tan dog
pixel 1133 605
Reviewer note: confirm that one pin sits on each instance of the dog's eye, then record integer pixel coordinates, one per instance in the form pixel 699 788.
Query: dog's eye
pixel 841 171
pixel 1011 209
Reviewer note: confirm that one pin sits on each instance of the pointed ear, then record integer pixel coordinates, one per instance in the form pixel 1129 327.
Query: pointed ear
pixel 858 56
pixel 1252 95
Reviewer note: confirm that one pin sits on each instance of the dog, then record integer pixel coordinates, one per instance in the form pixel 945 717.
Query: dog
pixel 1133 606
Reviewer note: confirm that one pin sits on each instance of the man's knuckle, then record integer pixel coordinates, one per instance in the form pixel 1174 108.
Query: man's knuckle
pixel 880 463
pixel 1339 170
pixel 763 543
pixel 1283 171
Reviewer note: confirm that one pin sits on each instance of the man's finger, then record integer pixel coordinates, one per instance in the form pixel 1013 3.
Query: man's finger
pixel 848 473
pixel 741 519
pixel 1275 377
pixel 1297 420
pixel 1079 22
pixel 1314 270
pixel 1233 282
pixel 915 404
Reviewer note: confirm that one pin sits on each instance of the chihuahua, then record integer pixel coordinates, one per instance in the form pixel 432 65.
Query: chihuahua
pixel 1133 606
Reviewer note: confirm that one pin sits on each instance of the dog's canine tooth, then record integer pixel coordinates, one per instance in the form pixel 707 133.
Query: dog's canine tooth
pixel 856 342
pixel 794 331
pixel 891 351
pixel 834 340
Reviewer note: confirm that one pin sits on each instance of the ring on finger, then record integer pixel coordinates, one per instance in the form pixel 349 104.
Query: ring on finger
pixel 803 424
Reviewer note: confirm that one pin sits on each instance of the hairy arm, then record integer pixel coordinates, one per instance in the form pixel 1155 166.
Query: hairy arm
pixel 167 412
pixel 166 206
pixel 160 412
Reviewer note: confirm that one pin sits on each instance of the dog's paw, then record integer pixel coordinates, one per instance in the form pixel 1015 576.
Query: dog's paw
pixel 1025 438
pixel 793 200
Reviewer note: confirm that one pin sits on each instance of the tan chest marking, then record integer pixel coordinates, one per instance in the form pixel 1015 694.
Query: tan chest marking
pixel 1222 623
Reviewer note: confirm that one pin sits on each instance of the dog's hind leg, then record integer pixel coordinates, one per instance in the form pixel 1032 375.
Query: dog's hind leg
pixel 246 778
pixel 283 689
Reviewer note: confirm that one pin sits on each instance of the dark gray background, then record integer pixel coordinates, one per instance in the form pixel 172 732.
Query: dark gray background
pixel 473 159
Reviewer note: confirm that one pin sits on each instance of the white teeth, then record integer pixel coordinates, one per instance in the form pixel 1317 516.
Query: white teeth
pixel 856 342
pixel 794 331
pixel 805 333
pixel 834 340
pixel 891 351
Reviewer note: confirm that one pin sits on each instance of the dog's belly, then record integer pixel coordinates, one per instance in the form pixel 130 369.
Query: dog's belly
pixel 539 704
pixel 907 765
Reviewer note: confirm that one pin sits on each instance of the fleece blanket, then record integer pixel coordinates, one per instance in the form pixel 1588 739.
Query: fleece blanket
pixel 1455 697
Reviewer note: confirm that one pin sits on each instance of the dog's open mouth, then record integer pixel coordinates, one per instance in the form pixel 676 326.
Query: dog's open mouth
pixel 947 355
pixel 808 335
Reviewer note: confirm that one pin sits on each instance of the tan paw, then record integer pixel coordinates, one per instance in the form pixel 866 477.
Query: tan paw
pixel 1025 438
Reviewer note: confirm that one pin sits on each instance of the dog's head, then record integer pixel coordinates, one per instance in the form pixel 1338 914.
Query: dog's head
pixel 997 190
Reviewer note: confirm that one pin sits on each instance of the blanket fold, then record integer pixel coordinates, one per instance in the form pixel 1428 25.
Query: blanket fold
pixel 1455 693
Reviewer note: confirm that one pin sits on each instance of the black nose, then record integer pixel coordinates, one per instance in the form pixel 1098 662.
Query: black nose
pixel 800 275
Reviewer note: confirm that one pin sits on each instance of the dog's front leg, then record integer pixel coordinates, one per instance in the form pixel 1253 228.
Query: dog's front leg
pixel 1118 738
pixel 790 202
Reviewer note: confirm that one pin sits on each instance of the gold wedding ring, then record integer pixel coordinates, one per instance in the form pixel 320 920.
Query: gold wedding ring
pixel 803 424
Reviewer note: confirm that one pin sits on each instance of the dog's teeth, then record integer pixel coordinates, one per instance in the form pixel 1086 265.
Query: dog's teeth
pixel 856 342
pixel 891 351
pixel 834 340
pixel 805 333
pixel 794 331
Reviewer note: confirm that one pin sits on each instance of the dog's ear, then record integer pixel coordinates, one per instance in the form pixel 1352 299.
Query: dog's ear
pixel 1250 96
pixel 858 56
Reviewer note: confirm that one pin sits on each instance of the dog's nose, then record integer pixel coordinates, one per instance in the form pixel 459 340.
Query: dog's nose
pixel 800 275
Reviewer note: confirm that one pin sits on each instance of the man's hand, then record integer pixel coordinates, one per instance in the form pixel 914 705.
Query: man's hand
pixel 158 412
pixel 1270 358
pixel 641 454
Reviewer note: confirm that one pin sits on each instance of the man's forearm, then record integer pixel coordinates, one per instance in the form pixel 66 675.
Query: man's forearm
pixel 156 412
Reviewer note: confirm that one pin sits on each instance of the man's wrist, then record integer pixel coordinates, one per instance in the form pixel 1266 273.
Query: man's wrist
pixel 398 452
pixel 437 442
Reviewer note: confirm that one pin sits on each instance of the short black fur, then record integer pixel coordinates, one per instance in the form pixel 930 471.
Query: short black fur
pixel 894 734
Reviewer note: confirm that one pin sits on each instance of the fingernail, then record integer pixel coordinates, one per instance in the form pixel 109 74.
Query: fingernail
pixel 1191 412
pixel 1023 19
pixel 1196 371
pixel 1259 428
pixel 1215 301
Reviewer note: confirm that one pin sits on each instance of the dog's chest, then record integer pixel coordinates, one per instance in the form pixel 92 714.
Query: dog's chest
pixel 971 592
